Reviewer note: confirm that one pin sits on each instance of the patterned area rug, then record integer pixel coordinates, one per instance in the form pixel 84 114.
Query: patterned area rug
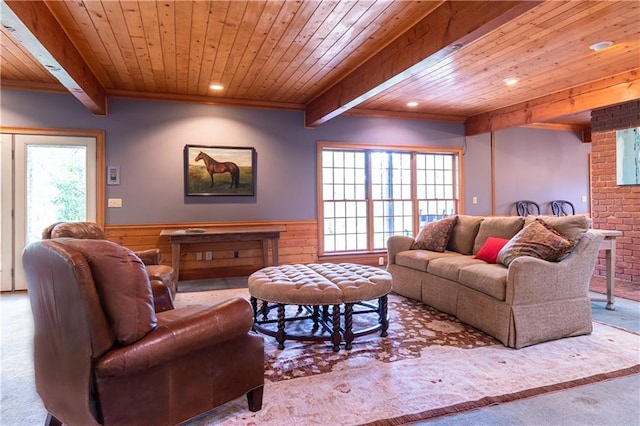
pixel 429 365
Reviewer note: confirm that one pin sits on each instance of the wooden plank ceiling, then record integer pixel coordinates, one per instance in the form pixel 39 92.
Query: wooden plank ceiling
pixel 334 57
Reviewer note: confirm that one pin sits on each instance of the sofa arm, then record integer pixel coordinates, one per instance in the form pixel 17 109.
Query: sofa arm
pixel 396 244
pixel 162 299
pixel 150 256
pixel 532 280
pixel 187 330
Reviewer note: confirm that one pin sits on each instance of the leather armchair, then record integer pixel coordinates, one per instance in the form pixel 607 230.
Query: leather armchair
pixel 103 356
pixel 152 258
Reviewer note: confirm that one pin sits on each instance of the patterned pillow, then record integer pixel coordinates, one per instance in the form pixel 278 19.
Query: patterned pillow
pixel 434 236
pixel 537 239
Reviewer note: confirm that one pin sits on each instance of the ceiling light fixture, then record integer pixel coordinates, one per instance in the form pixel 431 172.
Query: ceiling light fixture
pixel 412 104
pixel 216 87
pixel 510 81
pixel 596 47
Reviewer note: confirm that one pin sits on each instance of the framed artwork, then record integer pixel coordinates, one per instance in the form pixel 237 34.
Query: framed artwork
pixel 628 156
pixel 219 170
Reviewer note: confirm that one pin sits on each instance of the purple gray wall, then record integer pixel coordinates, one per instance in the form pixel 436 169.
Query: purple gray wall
pixel 146 139
pixel 531 164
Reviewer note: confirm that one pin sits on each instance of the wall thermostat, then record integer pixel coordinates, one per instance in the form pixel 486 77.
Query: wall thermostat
pixel 113 175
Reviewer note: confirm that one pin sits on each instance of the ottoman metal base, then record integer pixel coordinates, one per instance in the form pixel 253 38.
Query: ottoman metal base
pixel 349 289
pixel 321 318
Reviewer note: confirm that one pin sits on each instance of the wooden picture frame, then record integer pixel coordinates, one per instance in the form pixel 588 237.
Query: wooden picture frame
pixel 219 170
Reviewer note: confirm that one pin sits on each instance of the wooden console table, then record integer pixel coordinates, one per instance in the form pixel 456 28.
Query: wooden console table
pixel 609 245
pixel 264 233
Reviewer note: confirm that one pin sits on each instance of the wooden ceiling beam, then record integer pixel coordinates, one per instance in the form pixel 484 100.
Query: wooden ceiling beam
pixel 35 27
pixel 445 30
pixel 599 94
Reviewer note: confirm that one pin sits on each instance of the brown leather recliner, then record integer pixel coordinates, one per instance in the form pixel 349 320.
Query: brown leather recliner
pixel 103 356
pixel 152 258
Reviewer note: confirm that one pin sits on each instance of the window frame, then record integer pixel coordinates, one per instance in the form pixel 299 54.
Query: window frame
pixel 368 149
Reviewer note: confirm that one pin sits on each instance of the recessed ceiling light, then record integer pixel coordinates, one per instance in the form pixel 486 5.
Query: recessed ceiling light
pixel 510 81
pixel 216 87
pixel 596 47
pixel 412 104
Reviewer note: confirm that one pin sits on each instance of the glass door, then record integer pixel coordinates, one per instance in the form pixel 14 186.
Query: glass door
pixel 54 179
pixel 6 209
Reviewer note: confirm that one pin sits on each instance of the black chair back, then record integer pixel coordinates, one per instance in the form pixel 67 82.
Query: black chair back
pixel 562 208
pixel 526 208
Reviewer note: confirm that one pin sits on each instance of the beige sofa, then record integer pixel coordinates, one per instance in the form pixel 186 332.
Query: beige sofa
pixel 529 302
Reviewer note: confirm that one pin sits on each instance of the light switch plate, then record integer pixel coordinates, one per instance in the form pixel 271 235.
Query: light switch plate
pixel 114 202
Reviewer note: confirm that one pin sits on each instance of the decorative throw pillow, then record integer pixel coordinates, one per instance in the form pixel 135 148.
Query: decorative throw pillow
pixel 537 240
pixel 490 249
pixel 434 236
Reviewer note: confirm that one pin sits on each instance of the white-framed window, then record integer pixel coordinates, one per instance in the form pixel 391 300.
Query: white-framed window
pixel 368 193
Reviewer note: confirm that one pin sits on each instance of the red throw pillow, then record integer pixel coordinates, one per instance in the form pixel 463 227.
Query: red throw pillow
pixel 490 249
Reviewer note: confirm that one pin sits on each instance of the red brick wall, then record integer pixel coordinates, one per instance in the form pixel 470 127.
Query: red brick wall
pixel 615 207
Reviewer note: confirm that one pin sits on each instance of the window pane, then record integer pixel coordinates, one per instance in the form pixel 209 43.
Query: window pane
pixel 327 159
pixel 327 176
pixel 328 210
pixel 56 186
pixel 390 187
pixel 346 192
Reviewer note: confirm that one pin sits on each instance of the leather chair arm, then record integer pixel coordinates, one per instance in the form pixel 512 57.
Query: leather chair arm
pixel 162 300
pixel 187 330
pixel 150 256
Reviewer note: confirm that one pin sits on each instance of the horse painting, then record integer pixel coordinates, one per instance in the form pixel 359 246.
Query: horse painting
pixel 215 167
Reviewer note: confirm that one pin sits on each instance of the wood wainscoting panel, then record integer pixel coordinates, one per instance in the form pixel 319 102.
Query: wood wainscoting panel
pixel 298 244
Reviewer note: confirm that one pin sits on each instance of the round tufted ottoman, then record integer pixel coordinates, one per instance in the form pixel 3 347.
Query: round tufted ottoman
pixel 314 288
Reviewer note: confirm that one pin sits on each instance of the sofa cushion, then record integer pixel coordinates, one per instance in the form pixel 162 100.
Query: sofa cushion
pixel 449 267
pixel 571 227
pixel 434 236
pixel 419 259
pixel 537 240
pixel 490 279
pixel 122 283
pixel 501 227
pixel 464 234
pixel 490 249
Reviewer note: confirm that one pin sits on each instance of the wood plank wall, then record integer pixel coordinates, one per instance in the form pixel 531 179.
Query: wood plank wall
pixel 298 244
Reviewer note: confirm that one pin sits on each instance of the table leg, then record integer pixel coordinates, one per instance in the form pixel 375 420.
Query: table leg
pixel 316 317
pixel 348 325
pixel 175 259
pixel 264 310
pixel 280 334
pixel 274 250
pixel 265 252
pixel 335 334
pixel 610 258
pixel 384 316
pixel 254 306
